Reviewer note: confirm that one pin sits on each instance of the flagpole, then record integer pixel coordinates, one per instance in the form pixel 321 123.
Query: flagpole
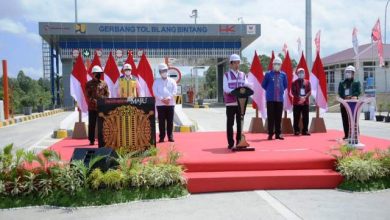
pixel 318 84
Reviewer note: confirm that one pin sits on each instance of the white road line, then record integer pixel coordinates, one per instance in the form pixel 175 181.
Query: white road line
pixel 39 141
pixel 277 205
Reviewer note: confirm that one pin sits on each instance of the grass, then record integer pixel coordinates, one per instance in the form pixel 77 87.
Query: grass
pixel 89 197
pixel 371 185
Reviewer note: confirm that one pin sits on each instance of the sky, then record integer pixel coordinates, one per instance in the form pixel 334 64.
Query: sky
pixel 282 21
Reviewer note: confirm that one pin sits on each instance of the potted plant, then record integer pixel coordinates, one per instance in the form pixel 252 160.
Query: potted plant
pixel 40 106
pixel 200 99
pixel 27 103
pixel 387 118
pixel 380 117
pixel 366 115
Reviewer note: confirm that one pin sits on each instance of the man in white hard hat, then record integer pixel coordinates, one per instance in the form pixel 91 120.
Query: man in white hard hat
pixel 301 91
pixel 274 84
pixel 348 89
pixel 233 79
pixel 95 89
pixel 128 84
pixel 165 90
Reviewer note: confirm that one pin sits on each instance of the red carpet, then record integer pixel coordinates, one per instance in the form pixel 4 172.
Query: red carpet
pixel 294 163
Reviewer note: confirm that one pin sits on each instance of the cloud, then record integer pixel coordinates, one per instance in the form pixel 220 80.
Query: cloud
pixel 13 27
pixel 33 72
pixel 282 21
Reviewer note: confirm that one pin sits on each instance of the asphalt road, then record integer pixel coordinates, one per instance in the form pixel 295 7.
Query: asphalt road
pixel 26 134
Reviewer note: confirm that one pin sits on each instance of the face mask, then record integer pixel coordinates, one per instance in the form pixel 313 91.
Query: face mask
pixel 164 75
pixel 301 75
pixel 348 75
pixel 128 72
pixel 276 67
pixel 97 75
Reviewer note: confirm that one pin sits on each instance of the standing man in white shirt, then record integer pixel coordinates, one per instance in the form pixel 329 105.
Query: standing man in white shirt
pixel 165 90
pixel 233 79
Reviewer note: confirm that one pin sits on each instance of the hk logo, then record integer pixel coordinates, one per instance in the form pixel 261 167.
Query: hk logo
pixel 227 28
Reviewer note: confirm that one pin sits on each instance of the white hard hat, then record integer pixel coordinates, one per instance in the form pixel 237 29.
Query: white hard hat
pixel 127 67
pixel 300 69
pixel 234 57
pixel 277 60
pixel 97 69
pixel 162 66
pixel 350 68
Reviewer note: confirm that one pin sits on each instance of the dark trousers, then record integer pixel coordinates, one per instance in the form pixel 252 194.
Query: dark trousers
pixel 233 113
pixel 274 115
pixel 344 117
pixel 165 116
pixel 299 110
pixel 92 118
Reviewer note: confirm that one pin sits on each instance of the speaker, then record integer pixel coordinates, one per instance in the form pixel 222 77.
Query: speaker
pixel 86 154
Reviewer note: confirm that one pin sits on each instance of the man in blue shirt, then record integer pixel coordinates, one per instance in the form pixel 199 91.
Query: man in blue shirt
pixel 274 84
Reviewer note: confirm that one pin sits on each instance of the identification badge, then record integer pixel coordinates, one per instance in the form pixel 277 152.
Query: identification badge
pixel 302 92
pixel 346 93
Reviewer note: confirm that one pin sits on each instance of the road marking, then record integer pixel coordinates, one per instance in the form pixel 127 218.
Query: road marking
pixel 277 205
pixel 39 141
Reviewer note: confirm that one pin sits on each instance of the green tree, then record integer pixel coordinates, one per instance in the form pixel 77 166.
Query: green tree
pixel 264 59
pixel 23 91
pixel 211 82
pixel 244 65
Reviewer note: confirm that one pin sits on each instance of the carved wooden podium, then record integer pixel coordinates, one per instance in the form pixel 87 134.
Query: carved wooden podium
pixel 242 94
pixel 353 108
pixel 127 123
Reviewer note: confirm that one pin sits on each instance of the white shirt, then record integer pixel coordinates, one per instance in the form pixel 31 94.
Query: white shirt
pixel 165 88
pixel 226 88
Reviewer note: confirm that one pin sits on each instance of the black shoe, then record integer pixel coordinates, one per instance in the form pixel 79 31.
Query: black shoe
pixel 161 140
pixel 297 133
pixel 279 137
pixel 306 134
pixel 171 140
pixel 91 143
pixel 270 137
pixel 345 138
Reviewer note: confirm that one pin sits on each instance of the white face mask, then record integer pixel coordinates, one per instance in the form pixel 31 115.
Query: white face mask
pixel 301 75
pixel 348 75
pixel 276 67
pixel 128 72
pixel 164 75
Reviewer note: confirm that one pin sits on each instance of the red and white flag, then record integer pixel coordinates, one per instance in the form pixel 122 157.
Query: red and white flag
pixel 355 41
pixel 302 64
pixel 299 45
pixel 111 76
pixel 270 65
pixel 95 62
pixel 376 36
pixel 318 85
pixel 78 79
pixel 130 60
pixel 255 77
pixel 145 77
pixel 285 48
pixel 288 69
pixel 355 44
pixel 317 41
